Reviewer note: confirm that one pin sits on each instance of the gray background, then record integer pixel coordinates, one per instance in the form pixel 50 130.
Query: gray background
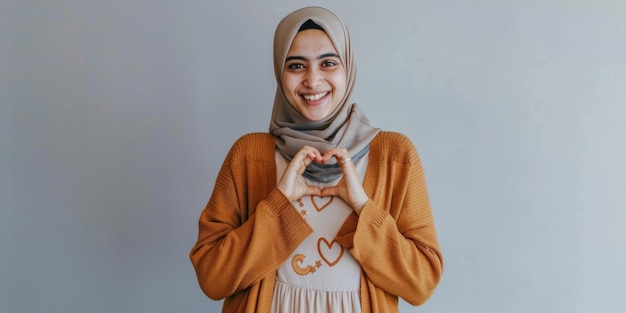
pixel 116 116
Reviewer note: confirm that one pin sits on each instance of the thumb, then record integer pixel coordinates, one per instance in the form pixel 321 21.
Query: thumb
pixel 314 191
pixel 330 191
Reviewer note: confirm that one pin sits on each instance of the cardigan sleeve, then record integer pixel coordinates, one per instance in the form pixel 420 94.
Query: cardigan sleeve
pixel 394 238
pixel 245 232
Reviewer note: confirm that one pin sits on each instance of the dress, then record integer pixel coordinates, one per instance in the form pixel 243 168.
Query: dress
pixel 249 229
pixel 320 275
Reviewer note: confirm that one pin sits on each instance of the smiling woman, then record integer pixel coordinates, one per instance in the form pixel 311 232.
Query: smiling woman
pixel 325 213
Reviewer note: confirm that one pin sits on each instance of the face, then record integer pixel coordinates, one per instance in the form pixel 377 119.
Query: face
pixel 314 79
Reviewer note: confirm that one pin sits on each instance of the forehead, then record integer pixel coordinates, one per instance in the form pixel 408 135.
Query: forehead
pixel 311 42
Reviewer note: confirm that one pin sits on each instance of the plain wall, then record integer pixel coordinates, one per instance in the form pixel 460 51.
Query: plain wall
pixel 116 115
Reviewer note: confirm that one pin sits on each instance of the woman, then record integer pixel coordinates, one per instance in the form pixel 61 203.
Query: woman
pixel 325 213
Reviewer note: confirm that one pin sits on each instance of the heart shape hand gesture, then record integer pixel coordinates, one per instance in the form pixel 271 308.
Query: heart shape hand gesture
pixel 293 185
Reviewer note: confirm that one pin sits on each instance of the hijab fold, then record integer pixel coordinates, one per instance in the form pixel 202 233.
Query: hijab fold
pixel 346 127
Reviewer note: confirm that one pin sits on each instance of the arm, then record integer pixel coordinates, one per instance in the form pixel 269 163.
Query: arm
pixel 394 237
pixel 242 239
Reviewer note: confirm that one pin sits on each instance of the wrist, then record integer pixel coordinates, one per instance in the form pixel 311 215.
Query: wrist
pixel 359 205
pixel 283 191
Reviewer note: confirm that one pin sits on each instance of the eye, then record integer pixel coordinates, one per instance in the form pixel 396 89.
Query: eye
pixel 328 63
pixel 295 66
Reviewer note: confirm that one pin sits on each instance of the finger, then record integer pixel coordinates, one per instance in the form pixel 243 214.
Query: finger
pixel 315 155
pixel 338 153
pixel 330 191
pixel 303 158
pixel 345 161
pixel 311 153
pixel 314 191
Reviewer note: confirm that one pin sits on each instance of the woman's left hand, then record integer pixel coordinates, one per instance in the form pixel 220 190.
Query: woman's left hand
pixel 350 187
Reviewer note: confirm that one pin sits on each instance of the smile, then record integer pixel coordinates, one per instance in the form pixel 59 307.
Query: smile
pixel 315 97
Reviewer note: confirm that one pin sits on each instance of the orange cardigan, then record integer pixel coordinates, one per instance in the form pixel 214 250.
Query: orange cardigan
pixel 248 229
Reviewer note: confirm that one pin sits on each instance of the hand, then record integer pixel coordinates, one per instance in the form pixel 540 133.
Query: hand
pixel 350 187
pixel 292 183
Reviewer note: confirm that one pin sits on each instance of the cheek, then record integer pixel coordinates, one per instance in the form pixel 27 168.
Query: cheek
pixel 289 85
pixel 289 80
pixel 339 81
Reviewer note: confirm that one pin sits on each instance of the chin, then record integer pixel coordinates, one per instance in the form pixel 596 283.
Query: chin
pixel 317 117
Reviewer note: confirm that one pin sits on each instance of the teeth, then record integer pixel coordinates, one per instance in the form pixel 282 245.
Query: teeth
pixel 315 97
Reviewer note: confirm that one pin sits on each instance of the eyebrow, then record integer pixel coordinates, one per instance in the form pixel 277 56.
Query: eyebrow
pixel 322 56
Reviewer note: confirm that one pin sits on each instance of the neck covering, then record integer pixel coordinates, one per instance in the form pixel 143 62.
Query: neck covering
pixel 346 127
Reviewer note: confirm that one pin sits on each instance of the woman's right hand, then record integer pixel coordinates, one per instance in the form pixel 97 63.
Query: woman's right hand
pixel 292 184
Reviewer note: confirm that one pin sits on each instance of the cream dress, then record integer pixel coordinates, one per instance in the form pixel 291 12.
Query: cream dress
pixel 320 276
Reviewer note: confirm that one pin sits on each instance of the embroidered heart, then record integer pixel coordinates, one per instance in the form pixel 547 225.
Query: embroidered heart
pixel 329 251
pixel 320 208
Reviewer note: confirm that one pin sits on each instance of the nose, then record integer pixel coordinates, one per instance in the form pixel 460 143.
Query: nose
pixel 313 78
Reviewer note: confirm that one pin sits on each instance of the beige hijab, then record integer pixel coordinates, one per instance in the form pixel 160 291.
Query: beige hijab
pixel 346 127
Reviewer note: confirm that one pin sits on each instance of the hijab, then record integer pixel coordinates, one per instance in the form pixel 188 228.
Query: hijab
pixel 346 127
